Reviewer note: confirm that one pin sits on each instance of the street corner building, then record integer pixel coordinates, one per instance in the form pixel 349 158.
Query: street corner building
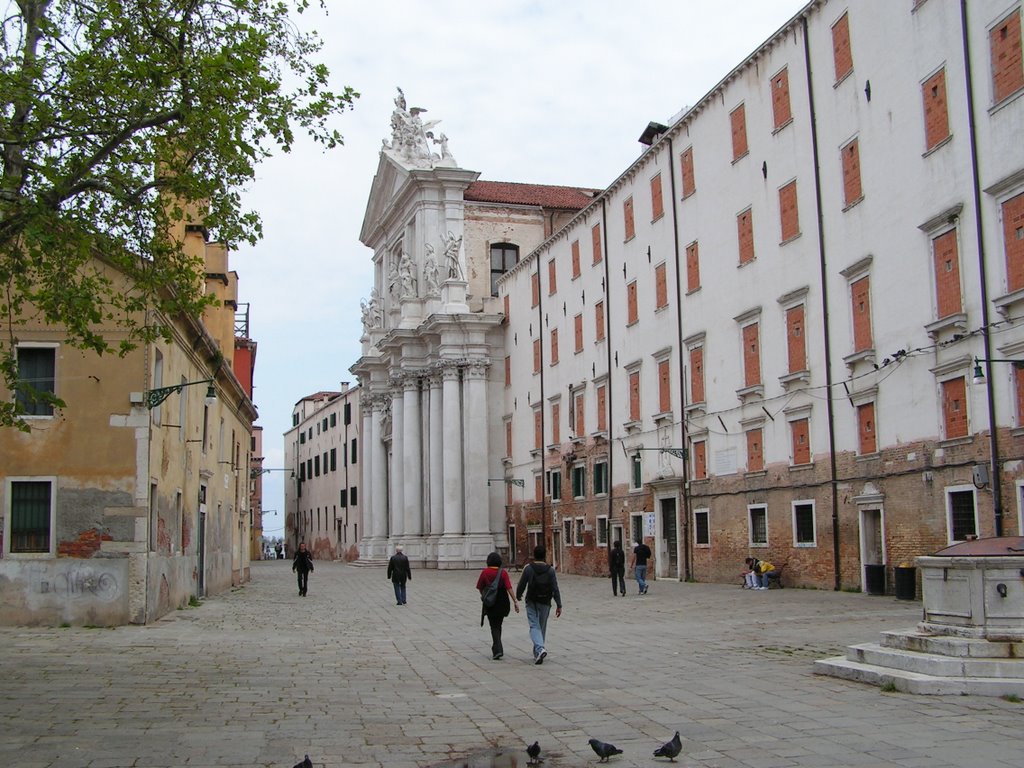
pixel 792 329
pixel 132 499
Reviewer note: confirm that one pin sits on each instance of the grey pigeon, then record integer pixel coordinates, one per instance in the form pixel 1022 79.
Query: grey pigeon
pixel 307 763
pixel 603 750
pixel 534 752
pixel 670 748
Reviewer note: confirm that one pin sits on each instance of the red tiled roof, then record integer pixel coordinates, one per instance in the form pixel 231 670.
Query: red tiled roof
pixel 544 195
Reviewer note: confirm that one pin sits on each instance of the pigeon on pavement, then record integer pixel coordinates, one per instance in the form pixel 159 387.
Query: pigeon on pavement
pixel 307 763
pixel 670 748
pixel 603 750
pixel 534 752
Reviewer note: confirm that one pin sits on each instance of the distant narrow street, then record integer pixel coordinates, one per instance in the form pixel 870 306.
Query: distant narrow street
pixel 261 677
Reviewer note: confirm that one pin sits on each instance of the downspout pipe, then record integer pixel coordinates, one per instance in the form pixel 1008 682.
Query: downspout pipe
pixel 986 334
pixel 687 571
pixel 826 326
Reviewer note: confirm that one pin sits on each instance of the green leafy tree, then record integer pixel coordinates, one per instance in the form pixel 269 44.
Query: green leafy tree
pixel 121 121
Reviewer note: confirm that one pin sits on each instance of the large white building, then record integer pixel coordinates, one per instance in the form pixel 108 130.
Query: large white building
pixel 760 339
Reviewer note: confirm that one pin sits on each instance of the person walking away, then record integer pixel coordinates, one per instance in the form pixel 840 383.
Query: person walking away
pixel 617 568
pixel 504 598
pixel 303 566
pixel 540 584
pixel 278 552
pixel 641 554
pixel 399 572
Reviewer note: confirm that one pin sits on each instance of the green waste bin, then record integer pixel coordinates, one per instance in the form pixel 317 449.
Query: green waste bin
pixel 906 583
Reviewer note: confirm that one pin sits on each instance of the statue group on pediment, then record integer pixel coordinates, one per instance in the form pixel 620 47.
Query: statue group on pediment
pixel 411 137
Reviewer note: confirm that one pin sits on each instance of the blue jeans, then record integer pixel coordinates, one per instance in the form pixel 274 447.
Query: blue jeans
pixel 399 592
pixel 641 578
pixel 537 616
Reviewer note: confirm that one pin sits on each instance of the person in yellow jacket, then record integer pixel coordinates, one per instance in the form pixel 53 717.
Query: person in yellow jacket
pixel 757 575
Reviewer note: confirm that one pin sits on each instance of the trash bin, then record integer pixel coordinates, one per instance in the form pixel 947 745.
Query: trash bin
pixel 906 582
pixel 874 579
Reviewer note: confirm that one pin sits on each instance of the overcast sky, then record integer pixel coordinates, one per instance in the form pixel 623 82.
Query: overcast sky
pixel 535 92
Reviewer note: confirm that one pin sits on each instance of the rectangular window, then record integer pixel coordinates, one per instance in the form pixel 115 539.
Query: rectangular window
pixel 538 432
pixel 804 530
pixel 700 460
pixel 602 417
pixel 1013 241
pixel 660 286
pixel 579 527
pixel 860 297
pixel 789 216
pixel 692 267
pixel 555 487
pixel 755 451
pixel 536 355
pixel 627 217
pixel 851 173
pixel 602 531
pixel 745 235
pixel 343 497
pixel 552 278
pixel 800 431
pixel 758 522
pixel 556 427
pixel 508 437
pixel 634 395
pixel 316 465
pixel 781 110
pixel 1005 44
pixel 579 413
pixel 36 377
pixel 599 321
pixel 567 531
pixel 355 450
pixel 636 525
pixel 575 258
pixel 579 481
pixel 796 346
pixel 334 459
pixel 325 424
pixel 632 311
pixel 534 289
pixel 600 478
pixel 595 242
pixel 751 355
pixel 508 371
pixel 936 112
pixel 866 440
pixel 657 202
pixel 954 408
pixel 334 416
pixel 554 346
pixel 353 495
pixel 636 474
pixel 963 518
pixel 577 327
pixel 842 53
pixel 664 387
pixel 686 171
pixel 701 528
pixel 738 126
pixel 947 275
pixel 31 516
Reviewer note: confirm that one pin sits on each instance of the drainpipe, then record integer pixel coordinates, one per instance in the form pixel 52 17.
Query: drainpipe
pixel 687 573
pixel 986 336
pixel 826 327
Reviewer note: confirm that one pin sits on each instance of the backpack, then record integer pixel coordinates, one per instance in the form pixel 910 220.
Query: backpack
pixel 490 594
pixel 541 590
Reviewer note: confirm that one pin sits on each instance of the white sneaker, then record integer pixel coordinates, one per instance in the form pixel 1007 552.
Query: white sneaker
pixel 541 656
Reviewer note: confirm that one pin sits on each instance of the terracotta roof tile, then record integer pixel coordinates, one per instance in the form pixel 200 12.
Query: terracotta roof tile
pixel 544 195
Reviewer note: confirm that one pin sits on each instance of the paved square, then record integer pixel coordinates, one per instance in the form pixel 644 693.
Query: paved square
pixel 260 676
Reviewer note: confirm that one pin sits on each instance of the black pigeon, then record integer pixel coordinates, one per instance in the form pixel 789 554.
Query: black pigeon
pixel 603 750
pixel 307 763
pixel 534 752
pixel 670 748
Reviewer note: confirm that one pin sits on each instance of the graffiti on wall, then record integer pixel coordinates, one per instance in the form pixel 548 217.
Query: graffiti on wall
pixel 85 582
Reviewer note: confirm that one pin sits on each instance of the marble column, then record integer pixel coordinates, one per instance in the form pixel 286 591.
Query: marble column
pixel 435 453
pixel 377 511
pixel 412 457
pixel 397 498
pixel 452 452
pixel 477 501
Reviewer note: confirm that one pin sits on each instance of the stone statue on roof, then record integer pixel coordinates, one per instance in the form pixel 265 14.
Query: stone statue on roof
pixel 411 137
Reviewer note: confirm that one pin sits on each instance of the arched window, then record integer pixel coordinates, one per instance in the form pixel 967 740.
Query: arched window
pixel 504 256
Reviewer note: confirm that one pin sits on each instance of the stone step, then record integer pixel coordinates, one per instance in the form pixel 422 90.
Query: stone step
pixel 935 664
pixel 366 562
pixel 954 647
pixel 914 682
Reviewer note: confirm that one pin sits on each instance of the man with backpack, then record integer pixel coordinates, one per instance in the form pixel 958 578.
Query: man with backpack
pixel 641 554
pixel 540 584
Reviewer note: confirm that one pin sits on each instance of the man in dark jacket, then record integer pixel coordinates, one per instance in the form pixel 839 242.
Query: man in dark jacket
pixel 641 554
pixel 302 565
pixel 399 572
pixel 617 568
pixel 540 584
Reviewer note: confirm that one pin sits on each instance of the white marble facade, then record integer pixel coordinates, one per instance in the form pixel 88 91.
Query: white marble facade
pixel 428 363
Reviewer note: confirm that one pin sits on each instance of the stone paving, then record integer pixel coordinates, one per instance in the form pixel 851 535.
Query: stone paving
pixel 260 677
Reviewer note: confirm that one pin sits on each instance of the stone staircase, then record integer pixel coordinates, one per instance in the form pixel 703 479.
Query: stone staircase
pixel 915 661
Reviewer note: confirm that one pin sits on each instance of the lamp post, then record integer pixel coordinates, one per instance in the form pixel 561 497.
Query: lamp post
pixel 153 397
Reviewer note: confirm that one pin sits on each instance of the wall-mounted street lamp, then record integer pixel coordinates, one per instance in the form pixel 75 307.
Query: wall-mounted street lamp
pixel 679 453
pixel 254 473
pixel 153 397
pixel 979 372
pixel 507 480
